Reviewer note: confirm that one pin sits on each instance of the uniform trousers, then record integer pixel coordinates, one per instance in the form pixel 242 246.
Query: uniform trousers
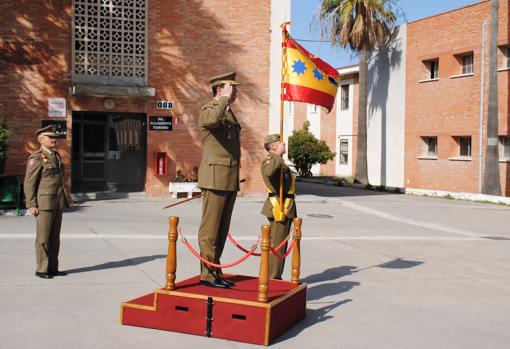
pixel 47 241
pixel 217 206
pixel 279 231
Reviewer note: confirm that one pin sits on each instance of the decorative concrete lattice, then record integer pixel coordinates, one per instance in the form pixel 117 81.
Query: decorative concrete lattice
pixel 109 40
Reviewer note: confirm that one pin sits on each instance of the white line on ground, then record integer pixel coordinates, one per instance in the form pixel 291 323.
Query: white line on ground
pixel 433 226
pixel 251 238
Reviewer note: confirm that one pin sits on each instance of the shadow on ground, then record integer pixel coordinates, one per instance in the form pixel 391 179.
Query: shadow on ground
pixel 325 190
pixel 117 264
pixel 333 288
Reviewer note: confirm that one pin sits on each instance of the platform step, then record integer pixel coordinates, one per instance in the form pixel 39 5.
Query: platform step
pixel 236 314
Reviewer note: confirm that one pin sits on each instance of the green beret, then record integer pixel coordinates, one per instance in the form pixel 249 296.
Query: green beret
pixel 271 138
pixel 223 79
pixel 50 131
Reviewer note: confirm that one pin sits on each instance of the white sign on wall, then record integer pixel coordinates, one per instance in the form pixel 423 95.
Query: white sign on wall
pixel 57 107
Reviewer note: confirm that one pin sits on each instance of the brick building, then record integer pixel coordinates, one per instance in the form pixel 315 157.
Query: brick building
pixel 446 99
pixel 427 105
pixel 100 67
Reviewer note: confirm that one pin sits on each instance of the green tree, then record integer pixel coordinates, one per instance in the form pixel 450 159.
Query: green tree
pixel 4 135
pixel 361 25
pixel 305 150
pixel 491 183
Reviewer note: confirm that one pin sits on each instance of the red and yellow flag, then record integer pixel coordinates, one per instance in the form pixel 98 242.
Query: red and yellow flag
pixel 305 77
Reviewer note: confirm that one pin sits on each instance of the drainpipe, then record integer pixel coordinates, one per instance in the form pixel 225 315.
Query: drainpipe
pixel 482 89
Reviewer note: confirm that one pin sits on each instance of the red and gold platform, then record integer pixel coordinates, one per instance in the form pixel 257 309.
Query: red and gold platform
pixel 233 314
pixel 256 310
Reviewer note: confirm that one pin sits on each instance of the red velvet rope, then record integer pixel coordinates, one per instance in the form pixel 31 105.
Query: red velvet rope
pixel 282 257
pixel 196 254
pixel 278 248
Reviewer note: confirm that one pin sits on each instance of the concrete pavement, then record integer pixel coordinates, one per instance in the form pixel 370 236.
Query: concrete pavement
pixel 384 271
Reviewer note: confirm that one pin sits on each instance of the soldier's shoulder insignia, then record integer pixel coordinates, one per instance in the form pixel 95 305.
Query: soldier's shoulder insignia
pixel 34 159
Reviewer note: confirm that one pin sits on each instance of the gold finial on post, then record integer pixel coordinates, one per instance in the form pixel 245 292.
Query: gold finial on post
pixel 171 259
pixel 296 253
pixel 265 243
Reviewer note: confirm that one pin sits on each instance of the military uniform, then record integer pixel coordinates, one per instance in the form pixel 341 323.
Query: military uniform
pixel 44 189
pixel 218 176
pixel 280 218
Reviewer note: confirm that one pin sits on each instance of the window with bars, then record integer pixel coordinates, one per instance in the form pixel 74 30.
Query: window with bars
pixel 109 41
pixel 344 97
pixel 504 57
pixel 344 151
pixel 504 148
pixel 464 146
pixel 467 63
pixel 432 68
pixel 430 146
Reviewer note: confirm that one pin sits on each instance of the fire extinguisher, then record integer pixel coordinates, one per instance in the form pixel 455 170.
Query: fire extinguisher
pixel 161 165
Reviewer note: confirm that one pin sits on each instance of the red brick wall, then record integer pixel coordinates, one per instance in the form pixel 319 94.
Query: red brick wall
pixel 189 41
pixel 450 106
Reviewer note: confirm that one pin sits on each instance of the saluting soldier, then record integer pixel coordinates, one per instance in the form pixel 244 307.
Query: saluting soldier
pixel 46 198
pixel 218 174
pixel 280 218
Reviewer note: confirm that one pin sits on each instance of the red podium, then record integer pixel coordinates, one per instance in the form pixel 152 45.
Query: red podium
pixel 232 314
pixel 256 310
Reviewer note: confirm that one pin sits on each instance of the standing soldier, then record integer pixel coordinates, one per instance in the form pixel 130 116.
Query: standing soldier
pixel 46 198
pixel 280 219
pixel 218 175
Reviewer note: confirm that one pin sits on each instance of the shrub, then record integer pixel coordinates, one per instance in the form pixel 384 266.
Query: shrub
pixel 305 150
pixel 4 135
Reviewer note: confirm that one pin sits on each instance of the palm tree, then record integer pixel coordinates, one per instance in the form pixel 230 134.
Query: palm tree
pixel 491 184
pixel 361 25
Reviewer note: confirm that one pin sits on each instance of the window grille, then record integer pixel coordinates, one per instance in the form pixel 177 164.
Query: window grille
pixel 430 146
pixel 433 68
pixel 109 41
pixel 467 64
pixel 464 146
pixel 344 151
pixel 504 147
pixel 344 95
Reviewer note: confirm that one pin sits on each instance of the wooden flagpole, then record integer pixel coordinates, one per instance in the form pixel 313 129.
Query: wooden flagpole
pixel 284 56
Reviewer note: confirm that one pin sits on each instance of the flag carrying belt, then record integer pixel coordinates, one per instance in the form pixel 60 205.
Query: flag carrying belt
pixel 280 213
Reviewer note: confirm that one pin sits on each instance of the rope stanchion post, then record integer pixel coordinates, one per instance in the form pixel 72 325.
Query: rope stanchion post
pixel 171 259
pixel 296 253
pixel 264 264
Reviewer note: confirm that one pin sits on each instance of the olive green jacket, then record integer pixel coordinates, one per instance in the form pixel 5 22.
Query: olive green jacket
pixel 221 150
pixel 270 170
pixel 44 182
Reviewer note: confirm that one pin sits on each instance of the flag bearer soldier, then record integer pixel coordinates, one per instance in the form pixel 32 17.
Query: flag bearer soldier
pixel 46 198
pixel 218 175
pixel 280 218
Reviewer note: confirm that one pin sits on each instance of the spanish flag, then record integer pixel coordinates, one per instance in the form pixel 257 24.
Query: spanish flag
pixel 305 77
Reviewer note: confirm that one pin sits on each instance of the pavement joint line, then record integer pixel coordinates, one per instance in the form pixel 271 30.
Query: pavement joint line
pixel 251 238
pixel 410 221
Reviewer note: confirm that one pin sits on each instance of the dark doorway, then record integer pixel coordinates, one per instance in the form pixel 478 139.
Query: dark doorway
pixel 109 152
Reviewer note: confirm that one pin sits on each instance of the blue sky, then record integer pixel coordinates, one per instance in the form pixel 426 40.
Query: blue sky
pixel 305 25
